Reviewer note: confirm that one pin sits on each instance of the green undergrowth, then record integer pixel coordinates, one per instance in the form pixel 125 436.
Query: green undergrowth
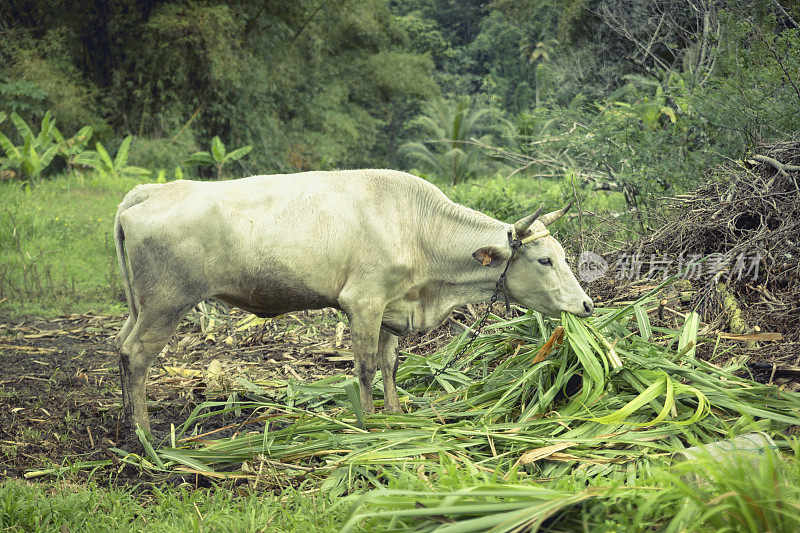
pixel 509 198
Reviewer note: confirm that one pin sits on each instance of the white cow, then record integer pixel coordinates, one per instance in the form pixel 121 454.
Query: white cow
pixel 387 248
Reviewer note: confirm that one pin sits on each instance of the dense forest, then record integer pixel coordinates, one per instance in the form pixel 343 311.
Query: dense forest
pixel 646 94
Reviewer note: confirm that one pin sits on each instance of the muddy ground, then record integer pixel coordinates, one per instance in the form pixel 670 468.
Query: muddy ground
pixel 60 399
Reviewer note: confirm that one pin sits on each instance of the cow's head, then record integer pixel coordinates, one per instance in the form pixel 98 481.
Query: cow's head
pixel 539 277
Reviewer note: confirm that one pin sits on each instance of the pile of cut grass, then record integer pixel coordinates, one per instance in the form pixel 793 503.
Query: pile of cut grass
pixel 605 400
pixel 739 493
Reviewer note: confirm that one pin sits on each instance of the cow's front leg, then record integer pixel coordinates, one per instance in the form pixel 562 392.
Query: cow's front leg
pixel 389 361
pixel 365 324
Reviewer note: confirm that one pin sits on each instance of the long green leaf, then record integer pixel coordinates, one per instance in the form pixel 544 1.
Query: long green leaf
pixel 137 171
pixel 8 147
pixel 200 158
pixel 688 336
pixel 645 331
pixel 105 158
pixel 22 127
pixel 218 150
pixel 121 159
pixel 48 155
pixel 238 153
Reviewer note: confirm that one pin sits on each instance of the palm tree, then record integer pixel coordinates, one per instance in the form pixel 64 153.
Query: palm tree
pixel 448 152
pixel 537 51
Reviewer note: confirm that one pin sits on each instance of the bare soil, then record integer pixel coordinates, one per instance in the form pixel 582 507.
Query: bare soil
pixel 59 384
pixel 60 399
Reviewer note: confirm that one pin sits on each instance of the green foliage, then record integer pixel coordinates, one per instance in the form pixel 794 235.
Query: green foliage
pixel 66 506
pixel 651 109
pixel 535 50
pixel 571 14
pixel 642 140
pixel 738 494
pixel 23 96
pixel 162 153
pixel 36 151
pixel 70 148
pixel 217 157
pixel 508 199
pixel 451 155
pixel 308 84
pixel 751 493
pixel 507 79
pixel 177 174
pixel 40 68
pixel 108 168
pixel 755 95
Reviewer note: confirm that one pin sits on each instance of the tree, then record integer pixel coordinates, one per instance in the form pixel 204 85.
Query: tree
pixel 448 152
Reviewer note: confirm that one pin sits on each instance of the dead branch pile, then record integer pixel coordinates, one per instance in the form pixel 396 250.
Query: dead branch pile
pixel 746 222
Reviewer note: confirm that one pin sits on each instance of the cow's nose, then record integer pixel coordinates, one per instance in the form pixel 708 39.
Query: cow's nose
pixel 588 306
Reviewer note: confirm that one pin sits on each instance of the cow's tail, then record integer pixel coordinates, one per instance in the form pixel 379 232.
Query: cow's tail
pixel 119 241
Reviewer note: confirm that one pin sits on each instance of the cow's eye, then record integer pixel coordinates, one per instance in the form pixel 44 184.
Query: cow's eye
pixel 545 261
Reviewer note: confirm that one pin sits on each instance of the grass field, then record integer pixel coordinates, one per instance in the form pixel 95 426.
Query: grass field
pixel 63 506
pixel 57 253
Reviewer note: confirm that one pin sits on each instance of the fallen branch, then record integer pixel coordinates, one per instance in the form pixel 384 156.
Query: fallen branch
pixel 462 328
pixel 780 167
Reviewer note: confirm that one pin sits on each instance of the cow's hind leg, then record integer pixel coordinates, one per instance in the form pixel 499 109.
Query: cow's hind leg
pixel 150 333
pixel 123 334
pixel 388 360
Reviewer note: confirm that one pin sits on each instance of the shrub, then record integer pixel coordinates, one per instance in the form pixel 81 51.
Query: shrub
pixel 158 153
pixel 217 157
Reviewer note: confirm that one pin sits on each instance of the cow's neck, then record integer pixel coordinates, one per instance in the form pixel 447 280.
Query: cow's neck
pixel 453 276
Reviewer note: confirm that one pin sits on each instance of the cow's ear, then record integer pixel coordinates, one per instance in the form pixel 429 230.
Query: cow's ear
pixel 490 256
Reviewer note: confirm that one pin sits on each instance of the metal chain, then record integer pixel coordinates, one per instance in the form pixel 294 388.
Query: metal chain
pixel 500 286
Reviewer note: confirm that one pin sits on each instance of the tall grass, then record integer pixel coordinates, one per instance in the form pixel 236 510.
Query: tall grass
pixel 56 245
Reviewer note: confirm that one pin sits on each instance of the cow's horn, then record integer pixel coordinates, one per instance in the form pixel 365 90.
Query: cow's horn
pixel 522 225
pixel 549 218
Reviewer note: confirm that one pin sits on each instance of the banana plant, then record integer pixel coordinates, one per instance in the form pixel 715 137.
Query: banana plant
pixel 218 157
pixel 70 148
pixel 36 151
pixel 106 167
